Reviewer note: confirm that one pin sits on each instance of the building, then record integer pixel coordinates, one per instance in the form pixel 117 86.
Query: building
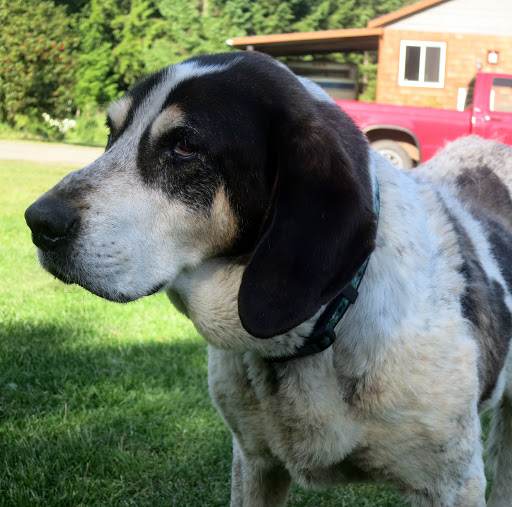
pixel 427 52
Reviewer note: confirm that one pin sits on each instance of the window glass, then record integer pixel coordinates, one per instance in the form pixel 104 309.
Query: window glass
pixel 501 95
pixel 432 61
pixel 469 95
pixel 412 63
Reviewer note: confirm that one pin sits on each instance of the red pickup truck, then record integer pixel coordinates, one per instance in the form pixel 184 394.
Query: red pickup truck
pixel 409 135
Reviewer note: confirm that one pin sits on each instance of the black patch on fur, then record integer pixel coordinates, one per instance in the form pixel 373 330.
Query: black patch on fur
pixel 486 192
pixel 483 304
pixel 193 180
pixel 501 244
pixel 491 204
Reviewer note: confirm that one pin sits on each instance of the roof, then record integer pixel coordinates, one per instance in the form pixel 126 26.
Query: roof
pixel 328 41
pixel 403 12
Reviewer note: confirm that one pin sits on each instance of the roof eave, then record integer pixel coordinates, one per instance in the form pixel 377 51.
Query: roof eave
pixel 313 42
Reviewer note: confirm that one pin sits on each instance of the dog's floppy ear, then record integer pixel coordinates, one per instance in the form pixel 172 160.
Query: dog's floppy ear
pixel 320 228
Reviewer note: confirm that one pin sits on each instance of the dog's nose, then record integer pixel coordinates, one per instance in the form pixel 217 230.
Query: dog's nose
pixel 51 222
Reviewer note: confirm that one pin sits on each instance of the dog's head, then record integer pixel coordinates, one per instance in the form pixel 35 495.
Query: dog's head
pixel 222 155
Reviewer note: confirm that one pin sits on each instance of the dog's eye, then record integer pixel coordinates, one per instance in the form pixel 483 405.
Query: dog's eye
pixel 183 150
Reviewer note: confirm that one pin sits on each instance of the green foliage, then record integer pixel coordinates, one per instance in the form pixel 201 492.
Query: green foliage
pixel 37 71
pixel 111 49
pixel 114 37
pixel 135 30
pixel 97 83
pixel 185 30
pixel 43 69
pixel 73 6
pixel 262 17
pixel 30 130
pixel 39 129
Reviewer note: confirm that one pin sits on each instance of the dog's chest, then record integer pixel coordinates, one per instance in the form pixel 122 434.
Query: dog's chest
pixel 300 419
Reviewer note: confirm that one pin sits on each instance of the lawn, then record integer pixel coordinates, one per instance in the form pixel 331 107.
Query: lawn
pixel 106 404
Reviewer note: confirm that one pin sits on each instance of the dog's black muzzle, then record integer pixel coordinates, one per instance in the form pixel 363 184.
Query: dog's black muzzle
pixel 52 223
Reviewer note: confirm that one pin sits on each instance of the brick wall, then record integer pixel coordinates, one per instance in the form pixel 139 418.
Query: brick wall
pixel 462 53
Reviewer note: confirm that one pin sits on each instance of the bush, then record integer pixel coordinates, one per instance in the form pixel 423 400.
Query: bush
pixel 88 128
pixel 36 62
pixel 26 128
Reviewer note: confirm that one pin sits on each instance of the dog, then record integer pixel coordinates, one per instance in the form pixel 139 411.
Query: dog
pixel 358 317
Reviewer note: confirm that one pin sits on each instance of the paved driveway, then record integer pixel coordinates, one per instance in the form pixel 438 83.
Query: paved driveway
pixel 49 152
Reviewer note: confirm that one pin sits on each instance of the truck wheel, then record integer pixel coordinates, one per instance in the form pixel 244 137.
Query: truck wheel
pixel 394 153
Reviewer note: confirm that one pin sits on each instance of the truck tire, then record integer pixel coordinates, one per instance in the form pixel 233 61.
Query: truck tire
pixel 394 153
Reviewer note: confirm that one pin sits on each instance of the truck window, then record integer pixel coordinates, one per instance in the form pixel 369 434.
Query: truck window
pixel 470 93
pixel 501 95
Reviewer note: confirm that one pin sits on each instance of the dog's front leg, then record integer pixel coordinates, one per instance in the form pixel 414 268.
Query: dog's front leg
pixel 256 481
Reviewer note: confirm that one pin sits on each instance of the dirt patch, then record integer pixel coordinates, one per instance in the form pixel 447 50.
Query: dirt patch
pixel 49 152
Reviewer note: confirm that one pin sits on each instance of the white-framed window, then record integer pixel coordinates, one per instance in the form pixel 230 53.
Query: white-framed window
pixel 422 63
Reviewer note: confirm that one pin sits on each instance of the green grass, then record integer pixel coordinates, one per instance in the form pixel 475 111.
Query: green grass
pixel 105 404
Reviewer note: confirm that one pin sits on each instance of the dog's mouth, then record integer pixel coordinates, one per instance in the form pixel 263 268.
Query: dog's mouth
pixel 69 278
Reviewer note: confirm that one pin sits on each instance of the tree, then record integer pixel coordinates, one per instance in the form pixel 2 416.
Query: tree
pixel 187 29
pixel 37 73
pixel 114 37
pixel 98 83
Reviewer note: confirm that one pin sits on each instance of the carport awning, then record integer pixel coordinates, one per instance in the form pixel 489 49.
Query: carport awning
pixel 327 41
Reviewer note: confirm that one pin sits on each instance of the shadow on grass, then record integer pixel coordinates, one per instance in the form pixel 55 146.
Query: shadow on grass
pixel 91 424
pixel 51 356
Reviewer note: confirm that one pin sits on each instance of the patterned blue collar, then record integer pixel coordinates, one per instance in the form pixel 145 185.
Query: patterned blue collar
pixel 323 334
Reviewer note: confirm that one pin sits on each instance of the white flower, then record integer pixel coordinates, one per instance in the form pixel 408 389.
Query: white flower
pixel 63 125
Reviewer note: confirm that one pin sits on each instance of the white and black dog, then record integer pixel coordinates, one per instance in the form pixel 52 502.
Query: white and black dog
pixel 253 200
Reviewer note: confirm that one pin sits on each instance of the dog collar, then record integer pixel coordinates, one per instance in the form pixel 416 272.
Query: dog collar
pixel 323 334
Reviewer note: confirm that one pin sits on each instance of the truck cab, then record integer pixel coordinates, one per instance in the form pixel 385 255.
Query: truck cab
pixel 489 96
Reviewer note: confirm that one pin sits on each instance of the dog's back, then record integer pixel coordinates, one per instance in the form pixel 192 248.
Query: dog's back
pixel 479 173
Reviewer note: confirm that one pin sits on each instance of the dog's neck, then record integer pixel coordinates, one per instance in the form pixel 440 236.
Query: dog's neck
pixel 210 296
pixel 210 291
